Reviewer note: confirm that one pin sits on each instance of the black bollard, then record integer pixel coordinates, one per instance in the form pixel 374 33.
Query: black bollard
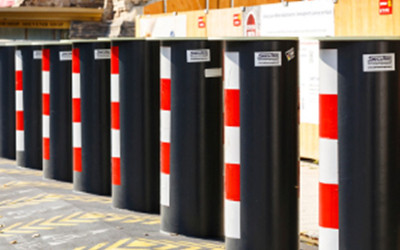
pixel 7 101
pixel 191 137
pixel 28 69
pixel 135 122
pixel 91 116
pixel 261 144
pixel 369 142
pixel 57 118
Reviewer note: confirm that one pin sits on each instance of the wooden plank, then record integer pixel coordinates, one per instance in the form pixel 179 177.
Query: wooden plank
pixel 193 29
pixel 154 8
pixel 184 5
pixel 361 18
pixel 221 22
pixel 309 141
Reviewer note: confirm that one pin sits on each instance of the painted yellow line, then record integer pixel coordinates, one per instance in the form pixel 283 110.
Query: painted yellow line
pixel 51 222
pixel 99 246
pixel 117 244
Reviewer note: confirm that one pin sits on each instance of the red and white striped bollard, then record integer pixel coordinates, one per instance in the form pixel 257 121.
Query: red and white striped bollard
pixel 115 120
pixel 328 162
pixel 19 105
pixel 46 104
pixel 232 145
pixel 165 123
pixel 76 112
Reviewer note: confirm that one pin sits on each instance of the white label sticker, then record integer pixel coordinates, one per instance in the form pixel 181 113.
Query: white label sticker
pixel 378 62
pixel 65 55
pixel 37 54
pixel 198 55
pixel 102 54
pixel 267 58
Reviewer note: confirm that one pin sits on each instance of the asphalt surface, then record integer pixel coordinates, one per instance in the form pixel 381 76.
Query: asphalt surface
pixel 36 213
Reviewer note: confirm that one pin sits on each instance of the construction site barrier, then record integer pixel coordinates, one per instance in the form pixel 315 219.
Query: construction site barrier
pixel 28 87
pixel 261 144
pixel 367 75
pixel 191 137
pixel 57 111
pixel 7 102
pixel 91 116
pixel 135 124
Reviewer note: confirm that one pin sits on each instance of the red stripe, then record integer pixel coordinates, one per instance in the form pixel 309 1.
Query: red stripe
pixel 77 161
pixel 46 104
pixel 75 61
pixel 114 60
pixel 46 60
pixel 165 157
pixel 329 205
pixel 19 121
pixel 328 116
pixel 165 94
pixel 18 80
pixel 76 110
pixel 116 171
pixel 115 115
pixel 232 107
pixel 46 148
pixel 232 182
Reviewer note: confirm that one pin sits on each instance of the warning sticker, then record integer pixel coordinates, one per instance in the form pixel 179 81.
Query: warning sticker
pixel 100 54
pixel 267 58
pixel 37 54
pixel 378 62
pixel 290 54
pixel 65 55
pixel 198 55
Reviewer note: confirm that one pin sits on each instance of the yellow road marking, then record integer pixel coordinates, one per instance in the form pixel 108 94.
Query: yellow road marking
pixel 50 222
pixel 141 243
pixel 117 244
pixel 99 246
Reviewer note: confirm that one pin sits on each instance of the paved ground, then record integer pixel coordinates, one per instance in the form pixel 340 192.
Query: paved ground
pixel 44 214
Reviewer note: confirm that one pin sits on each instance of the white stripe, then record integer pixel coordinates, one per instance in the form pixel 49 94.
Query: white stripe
pixel 18 60
pixel 76 85
pixel 165 126
pixel 114 87
pixel 165 62
pixel 46 126
pixel 328 239
pixel 328 76
pixel 19 100
pixel 232 145
pixel 164 189
pixel 20 142
pixel 115 143
pixel 328 161
pixel 232 219
pixel 231 70
pixel 76 135
pixel 45 82
pixel 213 72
